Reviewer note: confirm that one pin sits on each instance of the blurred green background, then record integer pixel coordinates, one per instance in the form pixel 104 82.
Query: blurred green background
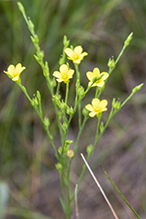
pixel 27 162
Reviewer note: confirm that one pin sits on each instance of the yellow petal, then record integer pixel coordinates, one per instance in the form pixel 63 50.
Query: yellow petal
pixel 105 75
pixel 16 78
pixel 83 54
pixel 90 75
pixel 103 103
pixel 89 107
pixel 99 84
pixel 96 72
pixel 57 74
pixel 59 80
pixel 95 102
pixel 63 68
pixel 70 73
pixel 92 114
pixel 11 70
pixel 69 52
pixel 78 50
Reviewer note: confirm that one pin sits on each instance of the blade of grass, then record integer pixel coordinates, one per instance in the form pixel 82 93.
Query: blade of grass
pixel 100 188
pixel 119 192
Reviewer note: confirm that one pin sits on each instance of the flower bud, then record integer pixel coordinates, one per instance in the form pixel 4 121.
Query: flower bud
pixel 89 149
pixel 70 153
pixel 129 38
pixel 59 166
pixel 46 121
pixel 111 63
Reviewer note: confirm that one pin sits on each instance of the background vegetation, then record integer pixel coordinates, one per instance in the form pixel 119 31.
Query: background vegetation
pixel 101 27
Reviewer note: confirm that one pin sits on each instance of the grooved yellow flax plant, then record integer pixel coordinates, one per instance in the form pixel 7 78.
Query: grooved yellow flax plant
pixel 64 112
pixel 96 74
pixel 97 107
pixel 75 54
pixel 14 72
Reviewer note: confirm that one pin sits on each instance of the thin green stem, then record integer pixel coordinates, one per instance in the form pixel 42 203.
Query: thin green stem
pixel 79 105
pixel 58 87
pixel 77 72
pixel 119 56
pixel 66 95
pixel 79 133
pixel 41 117
pixel 120 193
pixel 96 93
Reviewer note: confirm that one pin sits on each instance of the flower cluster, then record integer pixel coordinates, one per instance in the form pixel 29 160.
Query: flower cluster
pixel 96 79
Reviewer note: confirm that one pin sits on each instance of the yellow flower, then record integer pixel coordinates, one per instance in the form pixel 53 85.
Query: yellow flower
pixel 70 153
pixel 96 73
pixel 14 72
pixel 97 107
pixel 75 54
pixel 64 75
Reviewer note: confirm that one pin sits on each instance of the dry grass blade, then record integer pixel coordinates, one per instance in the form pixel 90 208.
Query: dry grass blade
pixel 99 186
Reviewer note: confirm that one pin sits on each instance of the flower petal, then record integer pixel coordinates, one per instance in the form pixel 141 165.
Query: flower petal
pixel 103 103
pixel 98 83
pixel 95 102
pixel 69 52
pixel 96 72
pixel 57 74
pixel 92 114
pixel 105 75
pixel 63 68
pixel 90 75
pixel 78 50
pixel 89 107
pixel 70 73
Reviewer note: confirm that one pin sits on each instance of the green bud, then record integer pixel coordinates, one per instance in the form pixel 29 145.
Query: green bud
pixel 41 54
pixel 111 63
pixel 85 112
pixel 68 143
pixel 35 39
pixel 63 105
pixel 89 149
pixel 46 121
pixel 137 88
pixel 37 58
pixel 101 127
pixel 39 96
pixel 64 126
pixel 69 111
pixel 65 42
pixel 127 41
pixel 116 104
pixel 59 166
pixel 31 27
pixel 46 72
pixel 56 99
pixel 61 61
pixel 60 115
pixel 21 8
pixel 80 91
pixel 53 82
pixel 35 101
pixel 60 150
